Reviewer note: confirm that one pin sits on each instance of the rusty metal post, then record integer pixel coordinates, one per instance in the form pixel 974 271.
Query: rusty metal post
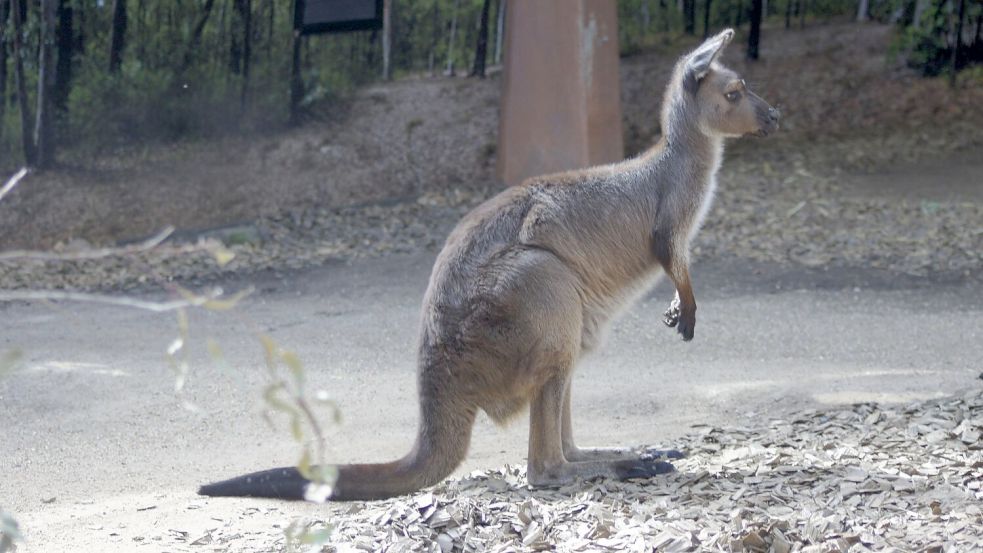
pixel 561 106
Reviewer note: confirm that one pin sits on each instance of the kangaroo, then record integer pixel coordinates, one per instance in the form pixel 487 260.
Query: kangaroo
pixel 528 281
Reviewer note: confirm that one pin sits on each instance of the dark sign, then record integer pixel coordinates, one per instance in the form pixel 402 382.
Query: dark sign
pixel 335 16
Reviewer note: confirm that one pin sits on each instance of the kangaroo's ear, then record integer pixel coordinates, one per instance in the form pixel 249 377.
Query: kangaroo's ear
pixel 698 62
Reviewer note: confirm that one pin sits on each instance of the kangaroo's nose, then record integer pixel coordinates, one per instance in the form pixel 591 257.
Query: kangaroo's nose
pixel 774 114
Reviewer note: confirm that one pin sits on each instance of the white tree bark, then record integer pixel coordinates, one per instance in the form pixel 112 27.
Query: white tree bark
pixel 862 8
pixel 387 34
pixel 500 31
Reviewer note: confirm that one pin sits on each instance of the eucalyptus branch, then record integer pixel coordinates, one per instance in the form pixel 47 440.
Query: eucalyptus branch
pixel 211 300
pixel 153 242
pixel 14 180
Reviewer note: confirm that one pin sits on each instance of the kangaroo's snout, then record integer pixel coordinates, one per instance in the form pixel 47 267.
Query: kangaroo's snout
pixel 768 120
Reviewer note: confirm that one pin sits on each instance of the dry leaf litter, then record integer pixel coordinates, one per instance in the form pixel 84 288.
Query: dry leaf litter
pixel 863 478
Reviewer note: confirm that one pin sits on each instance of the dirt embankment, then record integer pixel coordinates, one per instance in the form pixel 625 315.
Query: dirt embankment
pixel 845 106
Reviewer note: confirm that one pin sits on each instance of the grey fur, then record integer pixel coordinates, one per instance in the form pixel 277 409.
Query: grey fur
pixel 528 282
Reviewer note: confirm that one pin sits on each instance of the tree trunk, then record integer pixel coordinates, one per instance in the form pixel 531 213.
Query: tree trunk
pixel 269 30
pixel 499 31
pixel 117 41
pixel 956 47
pixel 450 38
pixel 27 137
pixel 192 47
pixel 863 7
pixel 706 19
pixel 387 39
pixel 4 17
pixel 44 138
pixel 754 37
pixel 296 79
pixel 739 16
pixel 247 51
pixel 63 74
pixel 664 8
pixel 788 14
pixel 689 16
pixel 481 48
pixel 646 16
pixel 979 24
pixel 803 6
pixel 920 6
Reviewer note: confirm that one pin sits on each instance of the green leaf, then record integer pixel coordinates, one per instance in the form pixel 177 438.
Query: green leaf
pixel 296 367
pixel 321 536
pixel 9 360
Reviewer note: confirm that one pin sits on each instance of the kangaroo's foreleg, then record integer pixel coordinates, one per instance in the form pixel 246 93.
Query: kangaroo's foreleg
pixel 674 260
pixel 548 466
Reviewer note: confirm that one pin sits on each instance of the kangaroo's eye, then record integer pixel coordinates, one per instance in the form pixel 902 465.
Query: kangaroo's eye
pixel 733 96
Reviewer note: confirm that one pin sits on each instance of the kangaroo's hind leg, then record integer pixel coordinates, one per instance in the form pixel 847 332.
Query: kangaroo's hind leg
pixel 574 453
pixel 547 464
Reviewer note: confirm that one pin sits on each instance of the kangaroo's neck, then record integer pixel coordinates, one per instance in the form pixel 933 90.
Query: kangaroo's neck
pixel 680 171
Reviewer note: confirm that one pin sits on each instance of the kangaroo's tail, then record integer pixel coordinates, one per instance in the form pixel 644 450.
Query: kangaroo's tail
pixel 441 445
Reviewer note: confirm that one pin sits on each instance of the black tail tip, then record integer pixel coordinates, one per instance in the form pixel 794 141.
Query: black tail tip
pixel 281 483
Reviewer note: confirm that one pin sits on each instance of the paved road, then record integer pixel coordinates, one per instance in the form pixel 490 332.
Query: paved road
pixel 95 449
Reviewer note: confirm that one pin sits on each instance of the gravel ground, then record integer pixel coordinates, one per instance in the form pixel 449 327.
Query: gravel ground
pixel 865 478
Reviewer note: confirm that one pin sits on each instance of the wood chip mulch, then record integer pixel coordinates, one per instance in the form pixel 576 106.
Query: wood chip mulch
pixel 864 478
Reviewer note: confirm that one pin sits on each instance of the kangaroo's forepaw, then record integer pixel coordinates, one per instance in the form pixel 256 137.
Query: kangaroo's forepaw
pixel 643 468
pixel 671 316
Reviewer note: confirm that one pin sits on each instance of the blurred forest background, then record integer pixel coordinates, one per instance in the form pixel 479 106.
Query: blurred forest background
pixel 84 77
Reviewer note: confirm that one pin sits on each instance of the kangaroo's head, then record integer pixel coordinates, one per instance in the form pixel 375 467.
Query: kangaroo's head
pixel 707 97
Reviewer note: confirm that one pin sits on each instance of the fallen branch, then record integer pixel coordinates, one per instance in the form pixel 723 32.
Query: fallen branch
pixel 19 255
pixel 211 300
pixel 14 180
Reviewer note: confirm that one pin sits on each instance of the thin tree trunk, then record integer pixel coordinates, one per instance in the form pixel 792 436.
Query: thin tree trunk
pixel 958 42
pixel 920 6
pixel 450 39
pixel 499 31
pixel 235 49
pixel 433 38
pixel 247 51
pixel 269 30
pixel 863 7
pixel 804 6
pixel 646 16
pixel 706 18
pixel 4 18
pixel 788 14
pixel 664 8
pixel 44 137
pixel 63 74
pixel 979 25
pixel 117 41
pixel 754 37
pixel 387 39
pixel 481 48
pixel 296 79
pixel 192 47
pixel 689 16
pixel 27 137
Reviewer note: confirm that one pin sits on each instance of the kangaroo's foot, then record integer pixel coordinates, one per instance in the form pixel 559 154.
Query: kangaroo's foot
pixel 652 453
pixel 579 454
pixel 567 472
